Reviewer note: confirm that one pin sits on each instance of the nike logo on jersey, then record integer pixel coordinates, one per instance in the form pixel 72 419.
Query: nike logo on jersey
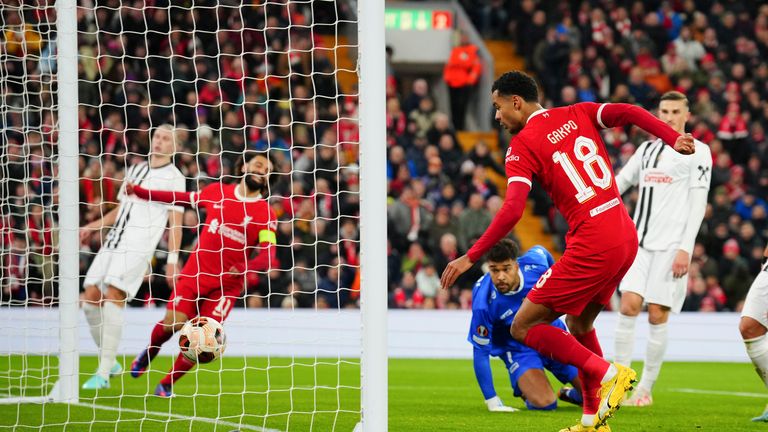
pixel 217 206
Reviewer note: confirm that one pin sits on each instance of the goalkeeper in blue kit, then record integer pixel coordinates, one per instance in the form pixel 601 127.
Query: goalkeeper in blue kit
pixel 496 297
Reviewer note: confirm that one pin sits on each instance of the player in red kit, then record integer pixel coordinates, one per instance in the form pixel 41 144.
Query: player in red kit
pixel 561 148
pixel 238 221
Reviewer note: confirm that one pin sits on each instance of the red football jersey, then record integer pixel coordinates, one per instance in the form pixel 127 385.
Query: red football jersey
pixel 233 225
pixel 562 149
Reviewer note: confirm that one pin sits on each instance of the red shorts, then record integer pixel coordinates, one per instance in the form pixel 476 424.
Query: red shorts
pixel 577 280
pixel 195 296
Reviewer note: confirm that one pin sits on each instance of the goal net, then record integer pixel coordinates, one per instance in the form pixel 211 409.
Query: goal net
pixel 81 119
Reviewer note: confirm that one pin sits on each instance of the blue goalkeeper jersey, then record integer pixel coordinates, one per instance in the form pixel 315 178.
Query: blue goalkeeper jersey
pixel 492 311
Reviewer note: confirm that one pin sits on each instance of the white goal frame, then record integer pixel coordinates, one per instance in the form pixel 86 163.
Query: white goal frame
pixel 372 79
pixel 66 389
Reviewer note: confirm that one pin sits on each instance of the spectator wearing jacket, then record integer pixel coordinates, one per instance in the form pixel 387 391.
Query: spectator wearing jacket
pixel 461 74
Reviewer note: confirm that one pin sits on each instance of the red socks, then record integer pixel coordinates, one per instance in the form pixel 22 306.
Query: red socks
pixel 590 342
pixel 590 384
pixel 158 337
pixel 563 347
pixel 180 366
pixel 179 369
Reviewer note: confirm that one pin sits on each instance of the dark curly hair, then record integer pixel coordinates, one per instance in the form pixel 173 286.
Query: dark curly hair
pixel 274 175
pixel 517 83
pixel 503 250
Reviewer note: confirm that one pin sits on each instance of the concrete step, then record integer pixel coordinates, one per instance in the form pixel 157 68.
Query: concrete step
pixel 504 56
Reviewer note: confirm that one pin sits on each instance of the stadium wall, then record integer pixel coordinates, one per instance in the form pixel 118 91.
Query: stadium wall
pixel 412 334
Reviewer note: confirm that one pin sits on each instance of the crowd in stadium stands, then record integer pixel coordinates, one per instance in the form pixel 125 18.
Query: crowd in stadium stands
pixel 224 79
pixel 633 51
pixel 440 198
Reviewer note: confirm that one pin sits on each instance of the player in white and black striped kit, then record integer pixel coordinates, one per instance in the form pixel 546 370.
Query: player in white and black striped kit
pixel 671 204
pixel 116 273
pixel 754 326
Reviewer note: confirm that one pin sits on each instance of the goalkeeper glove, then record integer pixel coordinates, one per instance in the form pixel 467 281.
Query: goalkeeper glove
pixel 495 404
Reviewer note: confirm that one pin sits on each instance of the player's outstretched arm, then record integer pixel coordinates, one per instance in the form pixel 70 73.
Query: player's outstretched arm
pixel 107 220
pixel 630 173
pixel 174 245
pixel 697 209
pixel 266 258
pixel 509 214
pixel 171 197
pixel 619 114
pixel 482 366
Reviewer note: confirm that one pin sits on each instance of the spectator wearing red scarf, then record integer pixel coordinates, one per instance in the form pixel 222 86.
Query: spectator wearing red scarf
pixel 396 121
pixel 733 132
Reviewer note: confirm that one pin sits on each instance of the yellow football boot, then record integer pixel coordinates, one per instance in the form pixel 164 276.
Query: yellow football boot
pixel 613 391
pixel 581 428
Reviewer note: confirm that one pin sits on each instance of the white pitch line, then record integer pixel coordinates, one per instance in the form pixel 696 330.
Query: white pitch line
pixel 177 416
pixel 721 393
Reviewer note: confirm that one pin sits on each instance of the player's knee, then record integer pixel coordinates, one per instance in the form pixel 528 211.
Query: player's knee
pixel 92 294
pixel 541 402
pixel 518 331
pixel 169 321
pixel 630 306
pixel 174 321
pixel 657 315
pixel 750 329
pixel 115 295
pixel 576 326
pixel 173 325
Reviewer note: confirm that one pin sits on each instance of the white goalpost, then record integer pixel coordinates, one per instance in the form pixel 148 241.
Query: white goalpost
pixel 84 85
pixel 373 204
pixel 62 387
pixel 69 199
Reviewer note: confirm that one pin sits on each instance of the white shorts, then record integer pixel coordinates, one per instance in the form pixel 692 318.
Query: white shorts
pixel 756 304
pixel 650 277
pixel 123 269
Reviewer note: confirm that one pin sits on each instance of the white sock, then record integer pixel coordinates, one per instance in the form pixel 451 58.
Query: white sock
pixel 625 339
pixel 609 374
pixel 93 316
pixel 588 419
pixel 757 350
pixel 654 356
pixel 110 340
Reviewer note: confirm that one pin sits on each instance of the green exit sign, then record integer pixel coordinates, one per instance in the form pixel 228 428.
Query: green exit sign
pixel 418 19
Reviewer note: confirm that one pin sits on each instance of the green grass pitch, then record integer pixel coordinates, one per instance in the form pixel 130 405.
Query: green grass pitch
pixel 323 395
